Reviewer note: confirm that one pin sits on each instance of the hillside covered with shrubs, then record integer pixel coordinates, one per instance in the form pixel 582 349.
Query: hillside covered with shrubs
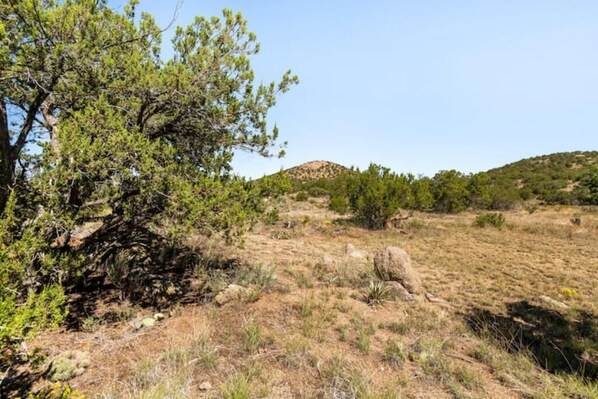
pixel 374 195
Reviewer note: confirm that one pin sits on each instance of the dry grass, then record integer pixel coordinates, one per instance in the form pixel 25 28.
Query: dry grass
pixel 311 334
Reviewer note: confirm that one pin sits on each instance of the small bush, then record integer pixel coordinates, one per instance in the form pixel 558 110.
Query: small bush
pixel 57 391
pixel 493 219
pixel 317 192
pixel 376 194
pixel 301 196
pixel 339 204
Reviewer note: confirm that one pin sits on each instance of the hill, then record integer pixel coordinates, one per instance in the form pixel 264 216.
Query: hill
pixel 315 170
pixel 548 177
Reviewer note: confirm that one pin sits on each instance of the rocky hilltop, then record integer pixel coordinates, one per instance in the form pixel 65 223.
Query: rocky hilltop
pixel 315 170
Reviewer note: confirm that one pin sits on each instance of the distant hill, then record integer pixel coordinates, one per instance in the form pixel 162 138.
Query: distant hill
pixel 315 170
pixel 548 176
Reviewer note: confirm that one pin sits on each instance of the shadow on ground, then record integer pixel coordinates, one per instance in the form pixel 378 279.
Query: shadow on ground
pixel 158 278
pixel 559 342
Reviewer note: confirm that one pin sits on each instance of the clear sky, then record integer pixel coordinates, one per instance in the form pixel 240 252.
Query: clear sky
pixel 421 86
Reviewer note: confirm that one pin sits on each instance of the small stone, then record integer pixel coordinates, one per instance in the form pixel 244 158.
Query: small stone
pixel 553 302
pixel 355 253
pixel 159 316
pixel 231 293
pixel 205 386
pixel 148 322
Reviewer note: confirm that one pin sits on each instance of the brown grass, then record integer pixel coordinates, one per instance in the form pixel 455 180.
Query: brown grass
pixel 314 335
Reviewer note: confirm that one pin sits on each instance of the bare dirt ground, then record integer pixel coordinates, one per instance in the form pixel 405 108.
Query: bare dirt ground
pixel 309 333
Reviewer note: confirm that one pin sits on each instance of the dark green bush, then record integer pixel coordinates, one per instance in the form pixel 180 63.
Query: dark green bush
pixel 301 196
pixel 339 204
pixel 494 219
pixel 376 194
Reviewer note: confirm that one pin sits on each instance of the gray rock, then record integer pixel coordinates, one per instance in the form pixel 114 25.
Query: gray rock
pixel 397 291
pixel 394 264
pixel 231 293
pixel 553 302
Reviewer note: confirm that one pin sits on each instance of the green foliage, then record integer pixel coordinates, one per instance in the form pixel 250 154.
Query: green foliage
pixel 494 219
pixel 549 178
pixel 339 204
pixel 238 387
pixel 57 391
pixel 301 196
pixel 422 194
pixel 588 192
pixel 273 186
pixel 376 194
pixel 377 293
pixel 138 146
pixel 450 192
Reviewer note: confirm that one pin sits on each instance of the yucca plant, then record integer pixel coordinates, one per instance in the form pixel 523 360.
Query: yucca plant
pixel 377 293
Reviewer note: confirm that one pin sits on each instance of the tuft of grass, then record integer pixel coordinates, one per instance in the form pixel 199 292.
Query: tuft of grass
pixel 398 328
pixel 252 337
pixel 237 387
pixel 315 316
pixel 363 342
pixel 304 281
pixel 395 353
pixel 341 379
pixel 295 352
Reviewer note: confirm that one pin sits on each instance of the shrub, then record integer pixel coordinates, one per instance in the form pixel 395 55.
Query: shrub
pixel 376 194
pixel 57 391
pixel 490 219
pixel 339 204
pixel 301 196
pixel 317 191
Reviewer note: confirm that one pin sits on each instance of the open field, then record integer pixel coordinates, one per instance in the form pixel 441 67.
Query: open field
pixel 507 305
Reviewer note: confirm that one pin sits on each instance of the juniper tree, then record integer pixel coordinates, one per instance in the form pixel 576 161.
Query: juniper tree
pixel 96 126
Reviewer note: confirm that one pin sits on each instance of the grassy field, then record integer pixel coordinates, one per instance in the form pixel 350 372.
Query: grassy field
pixel 513 315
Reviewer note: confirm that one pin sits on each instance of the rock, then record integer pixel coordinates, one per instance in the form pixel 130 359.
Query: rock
pixel 205 386
pixel 68 365
pixel 231 293
pixel 353 252
pixel 394 264
pixel 326 264
pixel 553 302
pixel 147 322
pixel 397 291
pixel 159 316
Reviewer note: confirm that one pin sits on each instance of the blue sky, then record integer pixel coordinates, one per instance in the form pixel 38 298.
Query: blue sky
pixel 421 86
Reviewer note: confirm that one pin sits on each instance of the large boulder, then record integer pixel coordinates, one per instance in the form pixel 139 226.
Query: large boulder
pixel 394 264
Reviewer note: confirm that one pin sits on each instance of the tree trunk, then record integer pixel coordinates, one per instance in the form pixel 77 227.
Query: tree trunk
pixel 7 166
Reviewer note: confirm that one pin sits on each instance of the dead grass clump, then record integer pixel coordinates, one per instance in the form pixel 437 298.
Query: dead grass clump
pixel 341 379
